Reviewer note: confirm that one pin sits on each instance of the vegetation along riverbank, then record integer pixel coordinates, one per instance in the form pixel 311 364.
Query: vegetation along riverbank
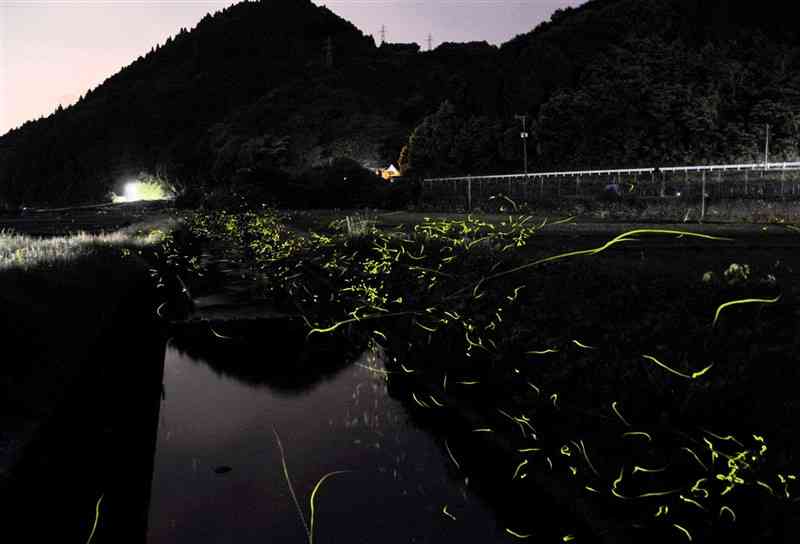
pixel 647 371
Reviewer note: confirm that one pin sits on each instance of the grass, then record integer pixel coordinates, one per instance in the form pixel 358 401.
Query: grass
pixel 18 251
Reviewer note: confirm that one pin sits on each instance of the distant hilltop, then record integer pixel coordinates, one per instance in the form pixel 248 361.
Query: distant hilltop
pixel 283 86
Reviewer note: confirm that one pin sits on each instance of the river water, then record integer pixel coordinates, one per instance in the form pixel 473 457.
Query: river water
pixel 219 476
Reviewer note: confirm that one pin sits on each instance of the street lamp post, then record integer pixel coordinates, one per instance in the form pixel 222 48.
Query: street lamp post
pixel 524 137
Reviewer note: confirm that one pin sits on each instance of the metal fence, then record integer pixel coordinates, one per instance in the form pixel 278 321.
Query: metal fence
pixel 768 181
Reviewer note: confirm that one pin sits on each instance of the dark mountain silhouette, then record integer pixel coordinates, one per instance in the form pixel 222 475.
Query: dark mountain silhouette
pixel 268 90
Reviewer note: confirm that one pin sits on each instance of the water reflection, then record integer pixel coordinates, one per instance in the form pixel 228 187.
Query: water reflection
pixel 399 483
pixel 261 358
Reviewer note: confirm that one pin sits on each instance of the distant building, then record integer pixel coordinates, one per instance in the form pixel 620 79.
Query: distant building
pixel 388 173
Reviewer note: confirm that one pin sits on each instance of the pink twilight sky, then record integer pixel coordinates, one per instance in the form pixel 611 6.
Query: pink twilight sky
pixel 52 51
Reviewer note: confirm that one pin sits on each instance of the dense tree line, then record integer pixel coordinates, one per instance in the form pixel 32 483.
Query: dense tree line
pixel 281 88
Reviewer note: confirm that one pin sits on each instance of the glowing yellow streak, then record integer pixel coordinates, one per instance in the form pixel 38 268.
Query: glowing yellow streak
pixel 663 510
pixel 450 453
pixel 420 325
pixel 524 421
pixel 515 534
pixel 311 500
pixel 96 519
pixel 624 237
pixel 568 538
pixel 516 293
pixel 482 430
pixel 727 509
pixel 218 335
pixel 619 415
pixel 407 370
pixel 362 318
pixel 542 352
pixel 560 221
pixel 647 470
pixel 765 486
pixel 696 458
pixel 448 514
pixel 565 451
pixel 379 333
pixel 436 402
pixel 444 383
pixel 684 531
pixel 714 453
pixel 697 489
pixel 657 494
pixel 727 438
pixel 538 391
pixel 469 382
pixel 376 370
pixel 593 490
pixel 691 501
pixel 638 433
pixel 158 310
pixel 577 343
pixel 586 456
pixel 743 301
pixel 422 404
pixel 618 480
pixel 289 484
pixel 529 450
pixel 677 373
pixel 701 372
pixel 516 472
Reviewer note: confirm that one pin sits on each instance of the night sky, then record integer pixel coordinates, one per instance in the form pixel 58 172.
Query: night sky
pixel 52 51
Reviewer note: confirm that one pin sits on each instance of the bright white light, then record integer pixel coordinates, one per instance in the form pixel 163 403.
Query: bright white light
pixel 132 192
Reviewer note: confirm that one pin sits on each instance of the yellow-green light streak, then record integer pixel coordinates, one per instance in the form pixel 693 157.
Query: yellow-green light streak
pixel 693 376
pixel 96 519
pixel 311 500
pixel 743 301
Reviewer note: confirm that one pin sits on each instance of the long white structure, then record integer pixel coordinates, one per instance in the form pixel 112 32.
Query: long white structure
pixel 760 167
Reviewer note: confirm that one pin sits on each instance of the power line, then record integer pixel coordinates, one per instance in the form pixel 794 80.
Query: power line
pixel 383 34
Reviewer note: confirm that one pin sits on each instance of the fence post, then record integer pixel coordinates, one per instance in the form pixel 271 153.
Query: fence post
pixel 703 199
pixel 541 188
pixel 746 183
pixel 783 177
pixel 469 194
pixel 577 186
pixel 688 185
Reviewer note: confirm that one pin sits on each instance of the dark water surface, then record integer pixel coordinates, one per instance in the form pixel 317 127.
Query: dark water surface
pixel 218 476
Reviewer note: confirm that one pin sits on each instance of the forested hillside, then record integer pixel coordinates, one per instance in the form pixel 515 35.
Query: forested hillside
pixel 273 89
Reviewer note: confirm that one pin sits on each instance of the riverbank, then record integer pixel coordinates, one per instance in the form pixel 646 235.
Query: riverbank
pixel 80 382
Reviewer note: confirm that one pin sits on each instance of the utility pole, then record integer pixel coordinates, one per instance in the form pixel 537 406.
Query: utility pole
pixel 430 42
pixel 383 34
pixel 329 52
pixel 524 136
pixel 766 149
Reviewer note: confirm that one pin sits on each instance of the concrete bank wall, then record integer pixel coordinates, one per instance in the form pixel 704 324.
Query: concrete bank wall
pixel 80 399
